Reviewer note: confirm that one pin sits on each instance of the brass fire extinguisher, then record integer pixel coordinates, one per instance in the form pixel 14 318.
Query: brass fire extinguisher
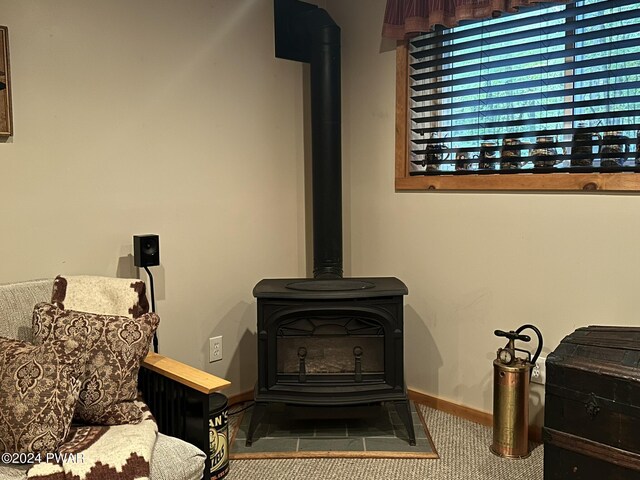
pixel 511 377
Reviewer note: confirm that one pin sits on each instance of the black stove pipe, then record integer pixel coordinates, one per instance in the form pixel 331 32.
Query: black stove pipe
pixel 307 33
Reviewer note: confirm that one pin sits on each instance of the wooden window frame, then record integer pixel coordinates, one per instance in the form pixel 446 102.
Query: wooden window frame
pixel 605 182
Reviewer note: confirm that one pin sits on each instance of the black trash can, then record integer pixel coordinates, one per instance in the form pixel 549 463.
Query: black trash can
pixel 218 436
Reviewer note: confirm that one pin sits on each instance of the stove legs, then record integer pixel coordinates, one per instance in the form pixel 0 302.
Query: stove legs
pixel 404 412
pixel 259 409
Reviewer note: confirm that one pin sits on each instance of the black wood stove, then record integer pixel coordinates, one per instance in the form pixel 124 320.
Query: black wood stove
pixel 329 340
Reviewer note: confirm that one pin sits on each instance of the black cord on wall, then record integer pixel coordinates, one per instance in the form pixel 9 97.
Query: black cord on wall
pixel 153 306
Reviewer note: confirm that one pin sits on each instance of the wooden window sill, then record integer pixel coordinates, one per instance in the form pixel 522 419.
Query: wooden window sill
pixel 612 182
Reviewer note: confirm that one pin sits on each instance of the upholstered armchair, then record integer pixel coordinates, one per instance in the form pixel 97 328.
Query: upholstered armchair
pixel 177 395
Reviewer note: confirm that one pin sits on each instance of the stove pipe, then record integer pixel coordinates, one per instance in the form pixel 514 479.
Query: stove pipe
pixel 306 33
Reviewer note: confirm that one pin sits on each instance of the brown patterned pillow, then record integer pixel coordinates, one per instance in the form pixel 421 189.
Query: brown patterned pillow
pixel 39 388
pixel 115 346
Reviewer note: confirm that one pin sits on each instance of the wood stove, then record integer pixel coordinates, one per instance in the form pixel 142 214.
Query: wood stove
pixel 330 343
pixel 326 341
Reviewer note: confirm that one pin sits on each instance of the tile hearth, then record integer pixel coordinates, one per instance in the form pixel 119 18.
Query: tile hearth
pixel 294 431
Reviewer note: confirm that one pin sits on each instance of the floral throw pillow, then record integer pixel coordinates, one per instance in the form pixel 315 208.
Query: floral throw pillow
pixel 39 387
pixel 115 347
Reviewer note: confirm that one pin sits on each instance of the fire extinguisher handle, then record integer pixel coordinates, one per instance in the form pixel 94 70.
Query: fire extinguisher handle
pixel 538 334
pixel 512 335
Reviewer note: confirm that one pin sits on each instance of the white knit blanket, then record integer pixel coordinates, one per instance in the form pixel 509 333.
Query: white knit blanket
pixel 125 297
pixel 118 452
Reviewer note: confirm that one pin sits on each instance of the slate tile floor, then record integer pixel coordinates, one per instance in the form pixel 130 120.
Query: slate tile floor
pixel 299 430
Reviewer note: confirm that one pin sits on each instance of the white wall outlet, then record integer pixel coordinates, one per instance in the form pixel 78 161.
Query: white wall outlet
pixel 539 371
pixel 215 349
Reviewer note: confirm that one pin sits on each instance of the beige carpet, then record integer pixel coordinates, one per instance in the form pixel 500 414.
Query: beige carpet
pixel 464 455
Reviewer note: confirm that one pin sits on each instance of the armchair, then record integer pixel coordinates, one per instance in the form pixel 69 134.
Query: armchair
pixel 179 396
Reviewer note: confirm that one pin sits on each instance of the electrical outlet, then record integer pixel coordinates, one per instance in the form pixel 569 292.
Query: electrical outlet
pixel 215 349
pixel 539 371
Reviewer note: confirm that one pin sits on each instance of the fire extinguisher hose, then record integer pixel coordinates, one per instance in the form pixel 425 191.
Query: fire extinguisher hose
pixel 539 334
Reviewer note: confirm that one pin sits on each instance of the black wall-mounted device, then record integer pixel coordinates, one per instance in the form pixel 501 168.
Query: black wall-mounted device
pixel 146 250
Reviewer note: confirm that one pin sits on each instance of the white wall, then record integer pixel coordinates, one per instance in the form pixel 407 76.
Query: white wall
pixel 157 116
pixel 473 262
pixel 174 117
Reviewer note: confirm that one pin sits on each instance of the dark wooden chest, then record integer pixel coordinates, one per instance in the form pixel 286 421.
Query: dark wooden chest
pixel 592 406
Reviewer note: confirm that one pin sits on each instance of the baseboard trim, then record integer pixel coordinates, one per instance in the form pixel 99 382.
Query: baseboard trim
pixel 461 411
pixel 468 413
pixel 240 398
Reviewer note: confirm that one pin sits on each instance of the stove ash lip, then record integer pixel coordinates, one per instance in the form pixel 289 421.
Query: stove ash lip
pixel 329 285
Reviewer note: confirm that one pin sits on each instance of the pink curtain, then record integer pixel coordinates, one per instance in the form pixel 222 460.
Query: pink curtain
pixel 407 18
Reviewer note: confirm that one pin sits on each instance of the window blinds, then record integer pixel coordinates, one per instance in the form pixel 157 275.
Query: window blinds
pixel 553 88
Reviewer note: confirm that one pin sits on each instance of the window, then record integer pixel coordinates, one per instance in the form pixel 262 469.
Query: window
pixel 545 99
